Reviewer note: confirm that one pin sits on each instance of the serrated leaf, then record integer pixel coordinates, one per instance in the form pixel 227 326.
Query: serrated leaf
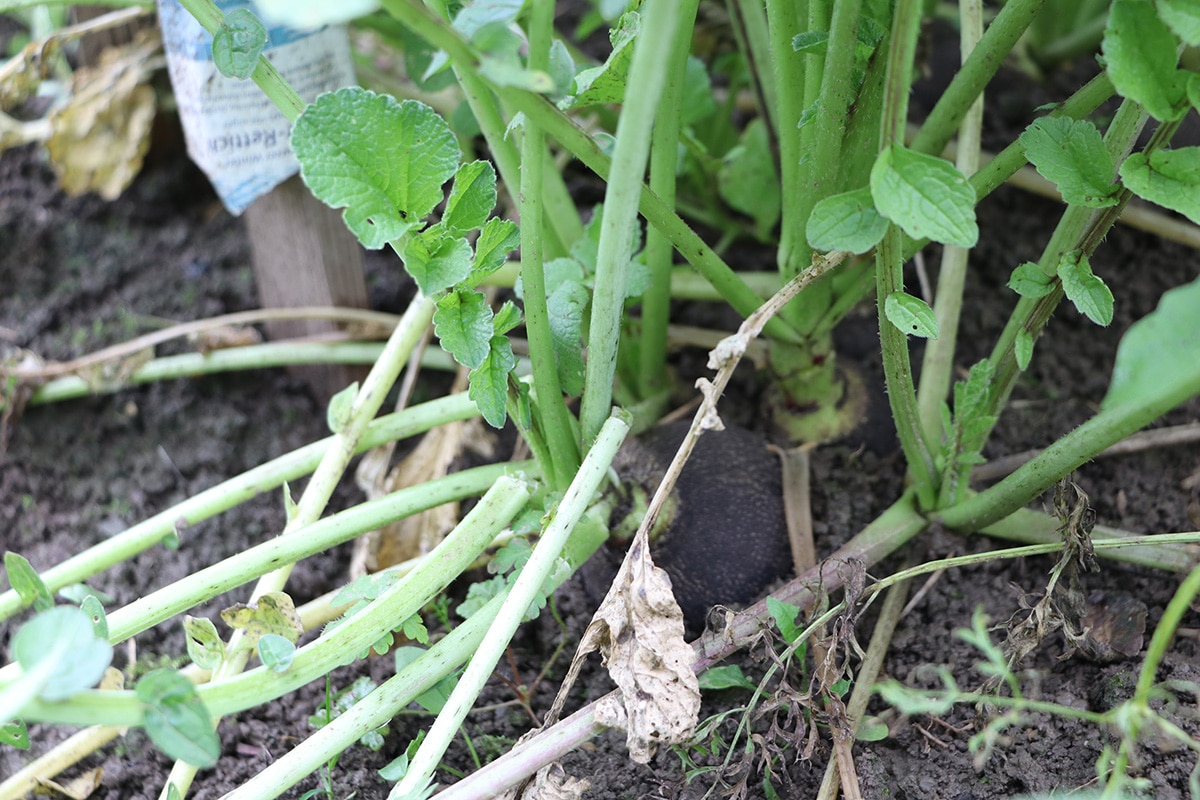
pixel 507 318
pixel 1170 178
pixel 489 382
pixel 971 395
pixel 438 264
pixel 1084 289
pixel 472 197
pixel 924 195
pixel 1160 353
pixel 1028 280
pixel 238 43
pixel 606 83
pixel 176 720
pixel 729 676
pixel 276 652
pixel 748 181
pixel 566 306
pixel 912 315
pixel 272 613
pixel 1183 18
pixel 25 581
pixel 384 189
pixel 846 221
pixel 61 646
pixel 204 645
pixel 498 238
pixel 341 408
pixel 1140 54
pixel 1071 154
pixel 463 323
pixel 1023 349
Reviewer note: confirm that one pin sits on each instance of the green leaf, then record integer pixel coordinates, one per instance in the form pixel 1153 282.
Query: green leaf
pixel 498 238
pixel 238 43
pixel 1023 349
pixel 385 188
pixel 507 318
pixel 1159 356
pixel 15 734
pixel 729 676
pixel 290 509
pixel 566 306
pixel 463 323
pixel 1084 289
pixel 79 592
pixel 871 729
pixel 811 42
pixel 489 382
pixel 561 68
pixel 1140 52
pixel 1028 280
pixel 785 615
pixel 1170 178
pixel 276 652
pixel 341 409
pixel 437 264
pixel 697 102
pixel 472 197
pixel 204 645
pixel 61 645
pixel 912 315
pixel 747 180
pixel 176 719
pixel 925 196
pixel 25 581
pixel 95 611
pixel 606 83
pixel 1183 17
pixel 846 221
pixel 1071 154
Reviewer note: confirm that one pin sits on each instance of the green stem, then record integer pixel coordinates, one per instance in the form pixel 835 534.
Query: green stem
pixel 789 68
pixel 889 264
pixel 939 353
pixel 630 153
pixel 533 576
pixel 664 157
pixel 264 478
pixel 551 410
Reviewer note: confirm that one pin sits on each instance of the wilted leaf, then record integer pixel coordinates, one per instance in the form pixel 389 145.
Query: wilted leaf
pixel 80 787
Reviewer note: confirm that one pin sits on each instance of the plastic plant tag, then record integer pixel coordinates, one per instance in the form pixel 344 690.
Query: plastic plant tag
pixel 234 133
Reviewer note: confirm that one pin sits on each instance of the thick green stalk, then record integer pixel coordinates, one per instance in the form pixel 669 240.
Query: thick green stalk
pixel 889 264
pixel 939 353
pixel 550 409
pixel 264 478
pixel 785 20
pixel 630 154
pixel 664 157
pixel 750 25
pixel 977 70
pixel 533 576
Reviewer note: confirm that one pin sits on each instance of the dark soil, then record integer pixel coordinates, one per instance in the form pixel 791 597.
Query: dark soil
pixel 76 274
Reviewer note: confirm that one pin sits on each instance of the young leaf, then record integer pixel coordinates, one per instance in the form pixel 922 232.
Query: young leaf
pixel 566 306
pixel 1183 17
pixel 238 43
pixel 25 581
pixel 729 676
pixel 1159 356
pixel 1084 289
pixel 1140 52
pixel 1028 280
pixel 747 180
pixel 498 238
pixel 341 408
pixel 204 645
pixel 1071 154
pixel 290 509
pixel 463 323
pixel 785 615
pixel 276 652
pixel 912 315
pixel 846 221
pixel 489 382
pixel 1170 178
pixel 472 197
pixel 176 719
pixel 924 195
pixel 61 647
pixel 437 264
pixel 385 190
pixel 507 318
pixel 1023 349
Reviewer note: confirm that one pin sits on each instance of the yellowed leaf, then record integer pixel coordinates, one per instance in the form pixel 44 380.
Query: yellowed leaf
pixel 273 613
pixel 100 136
pixel 21 75
pixel 79 788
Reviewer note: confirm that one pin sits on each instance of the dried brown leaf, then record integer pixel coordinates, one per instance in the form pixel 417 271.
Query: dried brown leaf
pixel 79 788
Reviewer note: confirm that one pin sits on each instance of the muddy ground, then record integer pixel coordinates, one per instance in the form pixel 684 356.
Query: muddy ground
pixel 77 274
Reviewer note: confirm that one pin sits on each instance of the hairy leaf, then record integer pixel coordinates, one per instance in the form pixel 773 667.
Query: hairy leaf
pixel 1084 289
pixel 472 197
pixel 1071 154
pixel 436 262
pixel 925 196
pixel 1139 50
pixel 463 323
pixel 846 221
pixel 1028 280
pixel 498 238
pixel 1170 178
pixel 912 315
pixel 489 382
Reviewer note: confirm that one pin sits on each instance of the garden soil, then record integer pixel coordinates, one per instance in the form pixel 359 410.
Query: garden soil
pixel 78 274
